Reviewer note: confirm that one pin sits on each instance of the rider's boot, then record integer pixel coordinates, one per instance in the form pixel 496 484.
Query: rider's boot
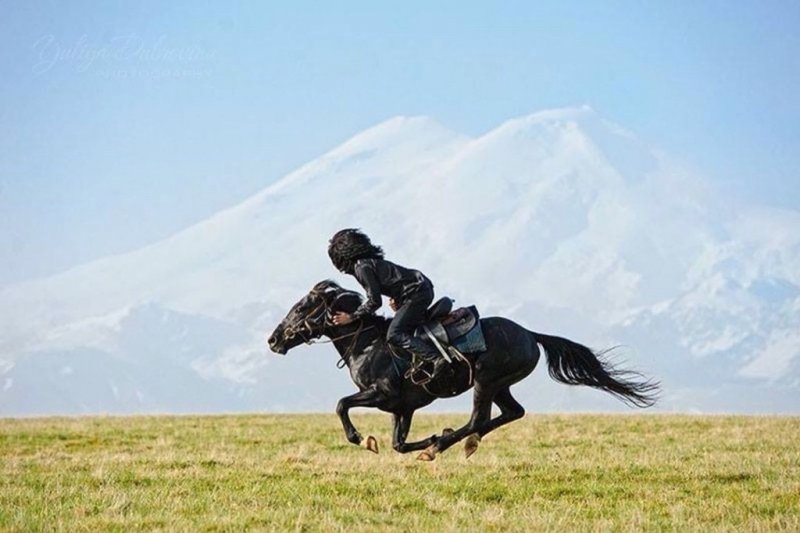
pixel 427 353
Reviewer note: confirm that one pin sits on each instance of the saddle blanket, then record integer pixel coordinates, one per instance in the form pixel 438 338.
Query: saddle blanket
pixel 460 329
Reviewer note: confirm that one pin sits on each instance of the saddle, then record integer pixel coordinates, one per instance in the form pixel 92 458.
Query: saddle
pixel 447 329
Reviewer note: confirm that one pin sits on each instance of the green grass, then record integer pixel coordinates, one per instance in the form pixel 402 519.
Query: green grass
pixel 559 473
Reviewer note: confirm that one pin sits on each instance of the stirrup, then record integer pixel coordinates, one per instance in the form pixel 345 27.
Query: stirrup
pixel 413 373
pixel 439 365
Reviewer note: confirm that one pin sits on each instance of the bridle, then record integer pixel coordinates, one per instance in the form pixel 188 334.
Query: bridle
pixel 311 321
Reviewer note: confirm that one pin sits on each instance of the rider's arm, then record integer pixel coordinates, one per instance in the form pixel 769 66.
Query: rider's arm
pixel 365 274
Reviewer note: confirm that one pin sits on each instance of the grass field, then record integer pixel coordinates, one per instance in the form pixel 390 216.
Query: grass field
pixel 289 472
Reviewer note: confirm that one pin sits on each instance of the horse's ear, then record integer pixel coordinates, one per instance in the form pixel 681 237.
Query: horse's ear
pixel 347 302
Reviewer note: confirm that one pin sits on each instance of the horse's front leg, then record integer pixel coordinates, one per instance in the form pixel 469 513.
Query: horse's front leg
pixel 367 398
pixel 402 424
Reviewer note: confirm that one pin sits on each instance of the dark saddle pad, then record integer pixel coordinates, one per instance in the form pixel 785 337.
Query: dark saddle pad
pixel 460 328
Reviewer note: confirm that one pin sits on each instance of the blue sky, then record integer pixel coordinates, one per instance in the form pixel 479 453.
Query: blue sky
pixel 123 122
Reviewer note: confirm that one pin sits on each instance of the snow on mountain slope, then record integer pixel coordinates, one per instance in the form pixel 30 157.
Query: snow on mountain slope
pixel 560 219
pixel 220 264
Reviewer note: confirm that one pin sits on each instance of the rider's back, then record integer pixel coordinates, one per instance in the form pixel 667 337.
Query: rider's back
pixel 395 281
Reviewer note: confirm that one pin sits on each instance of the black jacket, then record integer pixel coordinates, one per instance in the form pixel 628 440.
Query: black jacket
pixel 379 276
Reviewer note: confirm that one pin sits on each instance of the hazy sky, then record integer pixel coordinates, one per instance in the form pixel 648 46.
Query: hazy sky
pixel 122 122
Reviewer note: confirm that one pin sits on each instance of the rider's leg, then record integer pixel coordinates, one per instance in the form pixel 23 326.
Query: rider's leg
pixel 407 318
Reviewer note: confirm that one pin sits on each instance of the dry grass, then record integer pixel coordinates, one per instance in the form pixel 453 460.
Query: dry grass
pixel 575 472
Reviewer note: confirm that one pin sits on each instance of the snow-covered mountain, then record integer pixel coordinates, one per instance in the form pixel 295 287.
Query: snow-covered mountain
pixel 560 220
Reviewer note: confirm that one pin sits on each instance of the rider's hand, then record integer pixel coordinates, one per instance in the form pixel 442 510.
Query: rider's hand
pixel 342 319
pixel 393 304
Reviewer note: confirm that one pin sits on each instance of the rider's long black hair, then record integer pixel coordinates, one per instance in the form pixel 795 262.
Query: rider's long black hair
pixel 348 246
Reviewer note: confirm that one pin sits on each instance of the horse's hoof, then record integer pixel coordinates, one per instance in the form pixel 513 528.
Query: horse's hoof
pixel 371 444
pixel 471 444
pixel 354 438
pixel 428 454
pixel 425 455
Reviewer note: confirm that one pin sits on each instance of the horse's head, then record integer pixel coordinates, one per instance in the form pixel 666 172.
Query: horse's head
pixel 310 318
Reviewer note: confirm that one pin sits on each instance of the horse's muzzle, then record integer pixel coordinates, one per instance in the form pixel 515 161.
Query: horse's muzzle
pixel 275 345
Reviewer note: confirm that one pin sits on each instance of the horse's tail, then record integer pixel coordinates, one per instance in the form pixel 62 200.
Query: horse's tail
pixel 575 364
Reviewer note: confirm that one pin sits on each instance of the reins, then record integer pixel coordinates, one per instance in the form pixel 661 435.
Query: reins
pixel 343 359
pixel 346 355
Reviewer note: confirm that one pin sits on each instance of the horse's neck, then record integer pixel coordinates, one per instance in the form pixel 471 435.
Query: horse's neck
pixel 352 340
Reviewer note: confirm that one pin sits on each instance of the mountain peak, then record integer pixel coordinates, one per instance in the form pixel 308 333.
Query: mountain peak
pixel 578 129
pixel 584 117
pixel 561 114
pixel 399 130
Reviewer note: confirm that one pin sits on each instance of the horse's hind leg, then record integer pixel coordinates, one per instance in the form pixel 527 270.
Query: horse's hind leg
pixel 510 410
pixel 402 424
pixel 481 413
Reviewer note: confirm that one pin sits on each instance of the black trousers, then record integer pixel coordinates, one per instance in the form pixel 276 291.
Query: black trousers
pixel 408 317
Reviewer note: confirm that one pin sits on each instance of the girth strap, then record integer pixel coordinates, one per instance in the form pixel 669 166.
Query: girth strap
pixel 436 343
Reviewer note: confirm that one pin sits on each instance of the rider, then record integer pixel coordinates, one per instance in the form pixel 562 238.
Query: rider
pixel 411 292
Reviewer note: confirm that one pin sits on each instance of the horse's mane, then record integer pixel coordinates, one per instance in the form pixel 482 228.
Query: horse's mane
pixel 328 285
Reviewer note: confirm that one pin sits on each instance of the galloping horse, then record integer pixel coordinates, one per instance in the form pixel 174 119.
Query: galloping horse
pixel 512 353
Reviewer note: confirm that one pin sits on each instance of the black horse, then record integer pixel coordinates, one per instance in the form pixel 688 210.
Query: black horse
pixel 512 353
